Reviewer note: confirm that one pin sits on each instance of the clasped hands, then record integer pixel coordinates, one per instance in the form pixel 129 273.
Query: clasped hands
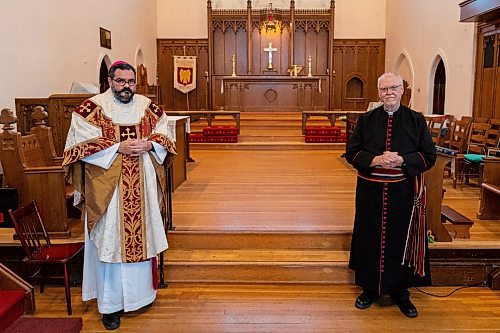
pixel 388 159
pixel 135 147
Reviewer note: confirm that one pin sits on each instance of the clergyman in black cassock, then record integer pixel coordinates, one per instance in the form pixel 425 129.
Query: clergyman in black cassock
pixel 390 148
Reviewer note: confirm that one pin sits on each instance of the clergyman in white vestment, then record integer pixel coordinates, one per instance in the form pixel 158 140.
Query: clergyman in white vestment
pixel 114 152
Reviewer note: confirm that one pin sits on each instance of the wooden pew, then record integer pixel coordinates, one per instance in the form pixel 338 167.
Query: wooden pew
pixel 434 185
pixel 331 115
pixel 489 197
pixel 24 164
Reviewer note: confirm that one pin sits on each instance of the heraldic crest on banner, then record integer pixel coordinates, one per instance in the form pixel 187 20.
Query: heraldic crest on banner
pixel 184 73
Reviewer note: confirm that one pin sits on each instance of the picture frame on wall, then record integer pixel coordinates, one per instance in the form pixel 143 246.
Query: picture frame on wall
pixel 105 38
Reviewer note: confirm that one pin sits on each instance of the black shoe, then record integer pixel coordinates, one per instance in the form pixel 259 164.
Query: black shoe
pixel 111 320
pixel 407 308
pixel 364 301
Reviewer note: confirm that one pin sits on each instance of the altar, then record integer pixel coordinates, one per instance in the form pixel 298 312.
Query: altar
pixel 271 93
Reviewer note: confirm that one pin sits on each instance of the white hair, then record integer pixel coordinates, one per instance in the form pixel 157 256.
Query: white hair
pixel 388 74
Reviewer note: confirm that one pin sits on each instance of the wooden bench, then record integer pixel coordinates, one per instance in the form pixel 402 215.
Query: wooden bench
pixel 457 224
pixel 209 115
pixel 331 115
pixel 489 208
pixel 30 166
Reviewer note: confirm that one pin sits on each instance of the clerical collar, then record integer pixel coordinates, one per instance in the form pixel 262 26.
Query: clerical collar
pixel 390 113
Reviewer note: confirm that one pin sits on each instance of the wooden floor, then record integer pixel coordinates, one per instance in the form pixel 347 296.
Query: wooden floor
pixel 266 190
pixel 307 190
pixel 194 308
pixel 281 185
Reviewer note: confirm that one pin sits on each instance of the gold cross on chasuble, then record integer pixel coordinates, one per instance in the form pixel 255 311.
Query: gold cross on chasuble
pixel 128 132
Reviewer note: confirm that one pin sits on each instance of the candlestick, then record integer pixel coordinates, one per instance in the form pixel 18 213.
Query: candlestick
pixel 233 60
pixel 309 66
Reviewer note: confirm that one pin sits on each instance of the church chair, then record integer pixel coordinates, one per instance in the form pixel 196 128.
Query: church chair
pixel 493 140
pixel 482 120
pixel 429 120
pixel 475 154
pixel 459 130
pixel 40 252
pixel 436 129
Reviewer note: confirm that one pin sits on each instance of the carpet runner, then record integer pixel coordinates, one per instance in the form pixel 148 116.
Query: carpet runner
pixel 45 325
pixel 11 307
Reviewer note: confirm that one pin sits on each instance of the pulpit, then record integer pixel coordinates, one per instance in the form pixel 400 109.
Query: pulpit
pixel 179 125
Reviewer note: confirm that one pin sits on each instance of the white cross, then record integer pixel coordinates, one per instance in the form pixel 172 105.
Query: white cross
pixel 270 49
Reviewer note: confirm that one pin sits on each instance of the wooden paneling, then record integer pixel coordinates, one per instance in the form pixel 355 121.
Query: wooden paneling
pixel 170 97
pixel 487 80
pixel 363 58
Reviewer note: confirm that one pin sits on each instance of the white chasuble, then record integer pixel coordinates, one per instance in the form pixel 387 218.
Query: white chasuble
pixel 124 226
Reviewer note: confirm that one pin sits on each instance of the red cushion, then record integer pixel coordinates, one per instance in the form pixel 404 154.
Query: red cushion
pixel 59 252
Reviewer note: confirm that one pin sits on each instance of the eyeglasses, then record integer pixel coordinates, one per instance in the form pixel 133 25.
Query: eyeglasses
pixel 391 89
pixel 122 82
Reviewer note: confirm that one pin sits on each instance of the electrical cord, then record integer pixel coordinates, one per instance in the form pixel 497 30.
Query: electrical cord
pixel 482 283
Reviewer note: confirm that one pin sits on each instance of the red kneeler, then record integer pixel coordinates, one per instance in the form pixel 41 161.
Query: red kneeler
pixel 222 138
pixel 196 137
pixel 321 138
pixel 221 134
pixel 323 134
pixel 322 130
pixel 220 130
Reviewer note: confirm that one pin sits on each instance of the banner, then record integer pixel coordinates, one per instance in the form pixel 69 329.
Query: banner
pixel 184 73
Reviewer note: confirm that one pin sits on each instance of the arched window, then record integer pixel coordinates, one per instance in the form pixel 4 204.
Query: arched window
pixel 354 88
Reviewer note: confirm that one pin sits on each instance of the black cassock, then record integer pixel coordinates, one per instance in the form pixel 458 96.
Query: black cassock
pixel 384 202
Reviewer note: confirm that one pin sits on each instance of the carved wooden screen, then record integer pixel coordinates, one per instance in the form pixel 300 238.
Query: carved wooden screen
pixel 239 35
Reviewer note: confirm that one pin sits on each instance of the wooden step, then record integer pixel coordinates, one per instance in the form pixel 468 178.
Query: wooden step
pixel 232 240
pixel 257 266
pixel 292 145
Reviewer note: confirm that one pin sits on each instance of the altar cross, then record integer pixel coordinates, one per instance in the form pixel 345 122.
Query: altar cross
pixel 270 49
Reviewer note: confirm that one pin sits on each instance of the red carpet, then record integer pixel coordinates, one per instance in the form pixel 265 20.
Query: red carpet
pixel 45 325
pixel 11 307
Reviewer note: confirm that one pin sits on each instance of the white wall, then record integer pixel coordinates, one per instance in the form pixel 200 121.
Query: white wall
pixel 182 19
pixel 422 30
pixel 46 45
pixel 353 19
pixel 360 19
